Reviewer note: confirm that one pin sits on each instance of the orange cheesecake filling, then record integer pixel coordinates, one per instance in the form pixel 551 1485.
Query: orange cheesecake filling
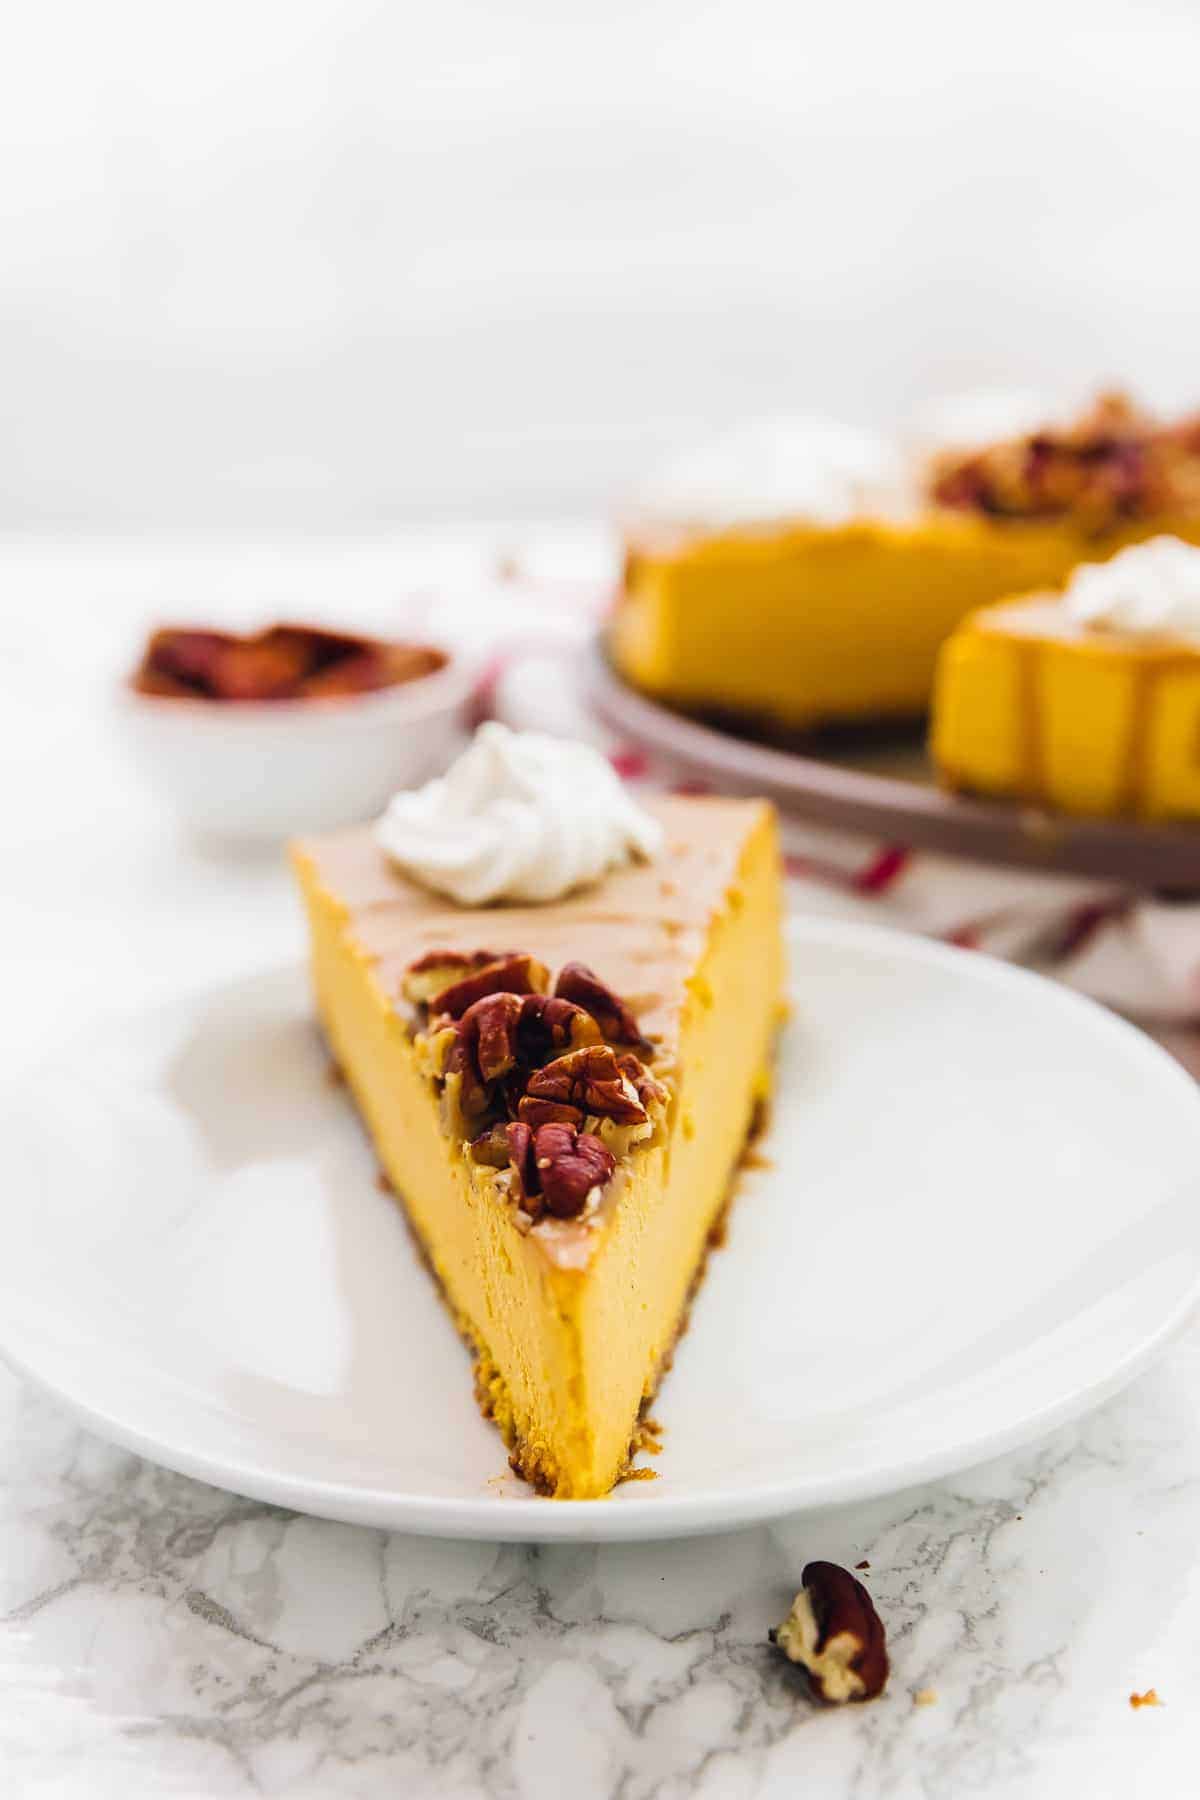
pixel 571 1310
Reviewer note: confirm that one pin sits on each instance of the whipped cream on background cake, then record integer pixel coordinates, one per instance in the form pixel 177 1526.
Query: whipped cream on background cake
pixel 1149 590
pixel 815 469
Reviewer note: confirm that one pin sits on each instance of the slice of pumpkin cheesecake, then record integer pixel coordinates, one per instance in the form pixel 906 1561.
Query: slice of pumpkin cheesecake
pixel 559 1089
pixel 1087 701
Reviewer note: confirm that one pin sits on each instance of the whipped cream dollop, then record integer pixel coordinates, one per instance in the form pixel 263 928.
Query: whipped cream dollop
pixel 790 468
pixel 1149 590
pixel 519 816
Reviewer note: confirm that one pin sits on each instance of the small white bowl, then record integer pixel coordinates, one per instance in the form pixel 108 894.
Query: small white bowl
pixel 258 772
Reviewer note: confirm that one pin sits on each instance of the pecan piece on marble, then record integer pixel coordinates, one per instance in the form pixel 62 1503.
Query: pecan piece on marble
pixel 590 1080
pixel 571 1165
pixel 835 1634
pixel 582 985
pixel 514 973
pixel 435 971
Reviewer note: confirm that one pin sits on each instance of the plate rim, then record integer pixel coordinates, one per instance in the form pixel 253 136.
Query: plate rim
pixel 825 793
pixel 643 1518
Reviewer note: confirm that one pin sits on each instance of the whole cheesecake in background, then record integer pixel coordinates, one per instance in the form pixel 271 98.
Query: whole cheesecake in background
pixel 556 1013
pixel 1087 701
pixel 809 575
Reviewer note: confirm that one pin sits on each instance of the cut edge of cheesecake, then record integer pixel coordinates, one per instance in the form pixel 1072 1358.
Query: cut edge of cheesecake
pixel 572 1321
pixel 782 630
pixel 1031 705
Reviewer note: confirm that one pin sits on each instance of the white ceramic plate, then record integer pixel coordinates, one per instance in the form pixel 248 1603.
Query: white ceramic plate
pixel 979 1218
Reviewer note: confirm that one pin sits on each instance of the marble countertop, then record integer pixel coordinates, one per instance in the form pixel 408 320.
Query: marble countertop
pixel 161 1638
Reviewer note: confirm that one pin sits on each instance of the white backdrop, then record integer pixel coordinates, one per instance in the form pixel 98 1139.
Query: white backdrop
pixel 334 262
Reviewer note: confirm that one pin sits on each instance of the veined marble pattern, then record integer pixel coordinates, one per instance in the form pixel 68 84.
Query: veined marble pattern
pixel 164 1638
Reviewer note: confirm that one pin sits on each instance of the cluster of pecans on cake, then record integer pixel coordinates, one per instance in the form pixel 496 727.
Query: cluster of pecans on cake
pixel 547 1086
pixel 1114 463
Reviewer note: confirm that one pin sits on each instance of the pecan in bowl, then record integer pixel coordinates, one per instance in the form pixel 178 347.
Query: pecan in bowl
pixel 281 662
pixel 288 731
